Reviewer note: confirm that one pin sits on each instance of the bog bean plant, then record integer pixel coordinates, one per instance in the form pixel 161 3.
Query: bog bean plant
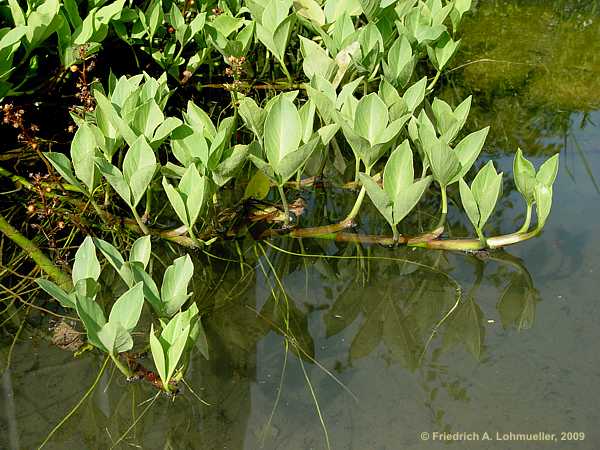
pixel 181 114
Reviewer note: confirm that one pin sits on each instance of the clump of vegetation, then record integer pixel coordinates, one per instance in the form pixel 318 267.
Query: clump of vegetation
pixel 198 110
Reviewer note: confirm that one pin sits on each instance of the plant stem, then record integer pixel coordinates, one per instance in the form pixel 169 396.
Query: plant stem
pixel 356 169
pixel 122 368
pixel 139 221
pixel 59 277
pixel 286 208
pixel 85 396
pixel 444 201
pixel 396 235
pixel 434 81
pixel 525 226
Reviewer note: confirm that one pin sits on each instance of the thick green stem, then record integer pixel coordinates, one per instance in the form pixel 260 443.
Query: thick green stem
pixel 59 277
pixel 287 72
pixel 396 234
pixel 356 169
pixel 140 222
pixel 286 208
pixel 434 81
pixel 354 212
pixel 527 222
pixel 444 201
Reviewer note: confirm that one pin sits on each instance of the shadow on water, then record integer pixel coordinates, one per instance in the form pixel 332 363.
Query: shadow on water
pixel 370 347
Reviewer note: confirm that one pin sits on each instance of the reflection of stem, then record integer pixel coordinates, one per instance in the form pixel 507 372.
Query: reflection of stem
pixel 124 370
pixel 85 396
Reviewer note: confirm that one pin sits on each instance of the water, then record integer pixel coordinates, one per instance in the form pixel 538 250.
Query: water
pixel 380 353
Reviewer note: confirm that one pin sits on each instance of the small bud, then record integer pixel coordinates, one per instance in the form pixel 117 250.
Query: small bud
pixel 74 68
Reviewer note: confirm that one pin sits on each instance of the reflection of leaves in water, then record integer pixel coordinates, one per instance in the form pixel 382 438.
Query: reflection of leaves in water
pixel 398 309
pixel 517 304
pixel 287 318
pixel 465 326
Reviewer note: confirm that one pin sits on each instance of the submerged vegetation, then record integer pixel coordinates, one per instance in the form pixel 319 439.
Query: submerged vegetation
pixel 179 126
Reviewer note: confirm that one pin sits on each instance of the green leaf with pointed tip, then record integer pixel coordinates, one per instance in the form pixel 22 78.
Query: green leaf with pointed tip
pixel 177 202
pixel 158 355
pixel 110 252
pixel 86 263
pixel 392 130
pixel 128 307
pixel 176 350
pixel 293 161
pixel 468 149
pixel 173 291
pixel 548 171
pixel 258 187
pixel 399 171
pixel 252 115
pixel 66 300
pixel 486 188
pixel 408 197
pixel 197 118
pixel 283 131
pixel 141 250
pixel 543 202
pixel 83 149
pixel 194 187
pixel 114 338
pixel 233 159
pixel 169 125
pixel 93 319
pixel 316 60
pixel 371 118
pixel 444 164
pixel 525 179
pixel 443 51
pixel 379 198
pixel 415 94
pixel 469 203
pixel 62 164
pixel 189 145
pixel 400 62
pixel 109 111
pixel 115 178
pixel 139 166
pixel 146 118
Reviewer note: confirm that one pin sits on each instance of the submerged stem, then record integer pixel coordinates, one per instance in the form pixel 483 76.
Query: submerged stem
pixel 32 250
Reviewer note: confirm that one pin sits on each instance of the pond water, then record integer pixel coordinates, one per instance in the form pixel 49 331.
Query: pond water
pixel 374 348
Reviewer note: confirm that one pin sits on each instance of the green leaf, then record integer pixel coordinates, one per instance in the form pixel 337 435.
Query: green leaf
pixel 115 178
pixel 399 171
pixel 195 188
pixel 63 166
pixel 379 198
pixel 292 162
pixel 548 171
pixel 233 160
pixel 86 263
pixel 93 319
pixel 444 164
pixel 543 202
pixel 469 203
pixel 66 300
pixel 177 202
pixel 407 198
pixel 253 116
pixel 141 251
pixel 158 355
pixel 283 131
pixel 316 60
pixel 371 118
pixel 486 188
pixel 110 252
pixel 258 187
pixel 115 338
pixel 109 111
pixel 128 307
pixel 311 10
pixel 176 350
pixel 83 149
pixel 139 166
pixel 468 149
pixel 525 178
pixel 173 291
pixel 189 145
pixel 415 94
